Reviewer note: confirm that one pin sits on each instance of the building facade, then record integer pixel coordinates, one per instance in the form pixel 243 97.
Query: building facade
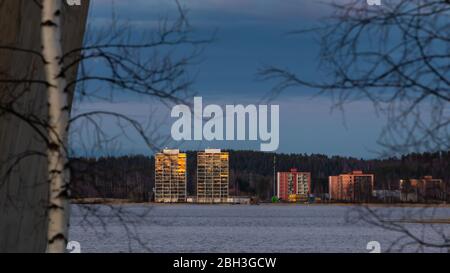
pixel 352 187
pixel 423 190
pixel 212 176
pixel 170 176
pixel 293 183
pixel 334 187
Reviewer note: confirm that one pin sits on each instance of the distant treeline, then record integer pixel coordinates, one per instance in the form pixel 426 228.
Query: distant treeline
pixel 251 172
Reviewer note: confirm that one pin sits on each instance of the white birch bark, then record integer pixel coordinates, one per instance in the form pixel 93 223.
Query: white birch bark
pixel 58 116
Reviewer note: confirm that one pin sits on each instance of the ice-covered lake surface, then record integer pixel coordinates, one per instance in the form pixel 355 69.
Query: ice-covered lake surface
pixel 245 228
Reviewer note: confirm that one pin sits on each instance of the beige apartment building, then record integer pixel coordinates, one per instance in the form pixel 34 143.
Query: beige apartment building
pixel 212 176
pixel 170 176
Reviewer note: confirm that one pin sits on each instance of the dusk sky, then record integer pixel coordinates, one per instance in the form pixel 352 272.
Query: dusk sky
pixel 250 34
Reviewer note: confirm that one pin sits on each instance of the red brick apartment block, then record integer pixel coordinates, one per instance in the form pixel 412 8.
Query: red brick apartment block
pixel 293 182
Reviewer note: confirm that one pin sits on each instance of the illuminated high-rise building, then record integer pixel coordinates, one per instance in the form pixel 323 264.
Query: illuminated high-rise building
pixel 212 176
pixel 170 176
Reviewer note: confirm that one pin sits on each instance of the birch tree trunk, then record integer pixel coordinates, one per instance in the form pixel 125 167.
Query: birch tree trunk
pixel 24 193
pixel 58 117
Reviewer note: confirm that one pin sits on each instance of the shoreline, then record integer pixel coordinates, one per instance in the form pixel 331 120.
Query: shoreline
pixel 111 201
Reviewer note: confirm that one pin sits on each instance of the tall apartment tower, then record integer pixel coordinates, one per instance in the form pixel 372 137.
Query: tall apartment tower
pixel 212 176
pixel 170 176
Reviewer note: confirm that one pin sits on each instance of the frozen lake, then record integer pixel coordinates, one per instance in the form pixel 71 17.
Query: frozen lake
pixel 241 228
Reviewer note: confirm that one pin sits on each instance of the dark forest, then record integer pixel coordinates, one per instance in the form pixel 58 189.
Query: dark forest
pixel 251 172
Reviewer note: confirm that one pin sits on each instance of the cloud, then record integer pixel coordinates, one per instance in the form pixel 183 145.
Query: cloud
pixel 217 12
pixel 306 125
pixel 260 8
